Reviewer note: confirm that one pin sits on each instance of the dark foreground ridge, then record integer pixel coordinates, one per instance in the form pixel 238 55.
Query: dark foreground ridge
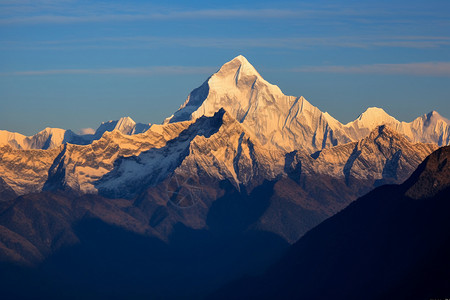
pixel 103 258
pixel 390 244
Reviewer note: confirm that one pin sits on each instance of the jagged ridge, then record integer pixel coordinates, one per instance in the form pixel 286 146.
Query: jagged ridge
pixel 291 123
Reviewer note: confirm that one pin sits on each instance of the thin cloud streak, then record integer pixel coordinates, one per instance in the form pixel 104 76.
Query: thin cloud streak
pixel 145 71
pixel 440 69
pixel 295 42
pixel 84 131
pixel 144 42
pixel 58 13
pixel 158 16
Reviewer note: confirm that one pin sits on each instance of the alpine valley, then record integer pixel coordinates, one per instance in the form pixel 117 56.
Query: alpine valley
pixel 220 190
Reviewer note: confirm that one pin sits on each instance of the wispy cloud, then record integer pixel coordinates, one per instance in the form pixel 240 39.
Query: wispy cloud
pixel 147 71
pixel 144 42
pixel 63 12
pixel 416 69
pixel 441 69
pixel 83 131
pixel 96 16
pixel 295 42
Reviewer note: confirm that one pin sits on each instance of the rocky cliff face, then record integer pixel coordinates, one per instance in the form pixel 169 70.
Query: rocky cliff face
pixel 383 156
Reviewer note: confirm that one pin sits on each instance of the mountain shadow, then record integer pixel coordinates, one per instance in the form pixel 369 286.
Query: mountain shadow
pixel 193 102
pixel 6 192
pixel 390 244
pixel 110 262
pixel 237 210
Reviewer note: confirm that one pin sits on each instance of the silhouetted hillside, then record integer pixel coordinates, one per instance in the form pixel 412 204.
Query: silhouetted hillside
pixel 390 244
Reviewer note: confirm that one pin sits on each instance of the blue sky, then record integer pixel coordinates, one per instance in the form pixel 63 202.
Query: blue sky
pixel 73 64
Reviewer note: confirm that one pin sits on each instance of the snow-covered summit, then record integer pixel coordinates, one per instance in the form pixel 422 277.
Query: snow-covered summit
pixel 229 88
pixel 371 118
pixel 125 125
pixel 50 138
pixel 428 128
pixel 291 123
pixel 278 121
pixel 45 139
pixel 434 117
pixel 239 66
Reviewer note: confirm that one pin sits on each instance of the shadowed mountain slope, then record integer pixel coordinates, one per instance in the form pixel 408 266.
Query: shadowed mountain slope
pixel 390 244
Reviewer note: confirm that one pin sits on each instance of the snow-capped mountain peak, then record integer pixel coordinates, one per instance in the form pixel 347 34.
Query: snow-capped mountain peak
pixel 237 68
pixel 44 139
pixel 125 125
pixel 277 120
pixel 428 128
pixel 50 138
pixel 434 116
pixel 239 73
pixel 372 117
pixel 286 122
pixel 234 87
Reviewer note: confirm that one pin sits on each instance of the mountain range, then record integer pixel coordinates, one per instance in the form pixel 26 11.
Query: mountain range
pixel 50 138
pixel 278 121
pixel 264 130
pixel 223 186
pixel 292 123
pixel 390 244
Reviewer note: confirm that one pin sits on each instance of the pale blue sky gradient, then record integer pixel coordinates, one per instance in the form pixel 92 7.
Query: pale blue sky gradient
pixel 73 64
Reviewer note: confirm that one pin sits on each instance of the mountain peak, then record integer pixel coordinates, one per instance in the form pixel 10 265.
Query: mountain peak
pixel 126 119
pixel 125 125
pixel 373 117
pixel 384 131
pixel 435 115
pixel 373 111
pixel 237 67
pixel 235 87
pixel 51 130
pixel 241 58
